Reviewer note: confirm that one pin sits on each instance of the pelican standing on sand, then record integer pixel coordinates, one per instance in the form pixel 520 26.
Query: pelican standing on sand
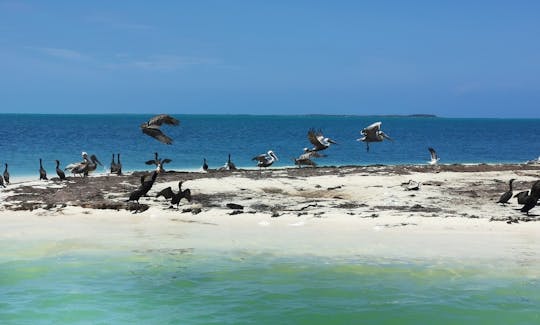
pixel 373 133
pixel 84 167
pixel 59 171
pixel 42 172
pixel 434 157
pixel 266 159
pixel 319 141
pixel 508 194
pixel 6 174
pixel 152 127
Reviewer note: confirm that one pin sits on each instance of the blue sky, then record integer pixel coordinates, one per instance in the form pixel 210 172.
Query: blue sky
pixel 452 58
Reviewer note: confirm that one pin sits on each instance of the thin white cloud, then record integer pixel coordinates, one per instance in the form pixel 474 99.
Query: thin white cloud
pixel 170 62
pixel 65 54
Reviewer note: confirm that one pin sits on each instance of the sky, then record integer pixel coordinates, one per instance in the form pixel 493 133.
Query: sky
pixel 449 58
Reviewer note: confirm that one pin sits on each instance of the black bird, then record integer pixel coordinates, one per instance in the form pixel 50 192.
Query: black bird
pixel 158 162
pixel 59 171
pixel 42 172
pixel 143 189
pixel 2 182
pixel 521 196
pixel 6 174
pixel 116 167
pixel 205 165
pixel 229 165
pixel 530 202
pixel 508 194
pixel 319 141
pixel 535 189
pixel 152 127
pixel 175 197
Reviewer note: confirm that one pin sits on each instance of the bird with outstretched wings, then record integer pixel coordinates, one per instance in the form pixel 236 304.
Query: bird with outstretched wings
pixel 153 127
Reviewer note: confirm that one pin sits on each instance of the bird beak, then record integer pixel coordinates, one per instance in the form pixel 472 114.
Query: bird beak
pixel 332 141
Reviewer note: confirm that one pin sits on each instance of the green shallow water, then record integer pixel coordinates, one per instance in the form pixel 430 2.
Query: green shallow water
pixel 189 287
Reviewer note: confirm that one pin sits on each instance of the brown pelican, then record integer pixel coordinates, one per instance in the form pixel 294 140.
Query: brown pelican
pixel 175 197
pixel 229 165
pixel 59 171
pixel 266 159
pixel 319 141
pixel 158 162
pixel 84 167
pixel 434 157
pixel 143 189
pixel 205 165
pixel 508 194
pixel 6 174
pixel 152 127
pixel 373 133
pixel 116 167
pixel 305 159
pixel 42 172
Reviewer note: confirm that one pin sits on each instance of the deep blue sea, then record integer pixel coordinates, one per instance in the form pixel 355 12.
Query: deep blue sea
pixel 71 282
pixel 26 138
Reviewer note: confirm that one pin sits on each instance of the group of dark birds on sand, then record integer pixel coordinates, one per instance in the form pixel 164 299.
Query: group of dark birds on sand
pixel 528 199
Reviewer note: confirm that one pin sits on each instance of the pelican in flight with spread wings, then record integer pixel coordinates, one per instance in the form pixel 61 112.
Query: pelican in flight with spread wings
pixel 319 141
pixel 434 157
pixel 373 133
pixel 152 127
pixel 266 159
pixel 306 159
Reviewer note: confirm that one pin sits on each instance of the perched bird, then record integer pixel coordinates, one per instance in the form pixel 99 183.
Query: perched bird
pixel 319 141
pixel 158 162
pixel 6 174
pixel 175 197
pixel 205 165
pixel 508 194
pixel 84 167
pixel 42 172
pixel 522 196
pixel 152 127
pixel 266 159
pixel 116 167
pixel 434 157
pixel 530 202
pixel 143 189
pixel 229 165
pixel 373 133
pixel 59 171
pixel 2 182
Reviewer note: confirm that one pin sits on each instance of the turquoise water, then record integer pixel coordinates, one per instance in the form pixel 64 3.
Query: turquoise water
pixel 190 287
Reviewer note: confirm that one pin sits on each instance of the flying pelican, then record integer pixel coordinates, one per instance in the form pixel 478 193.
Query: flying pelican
pixel 373 133
pixel 175 197
pixel 306 158
pixel 205 165
pixel 6 174
pixel 319 141
pixel 508 194
pixel 152 127
pixel 59 171
pixel 229 165
pixel 116 167
pixel 158 162
pixel 42 172
pixel 266 159
pixel 434 157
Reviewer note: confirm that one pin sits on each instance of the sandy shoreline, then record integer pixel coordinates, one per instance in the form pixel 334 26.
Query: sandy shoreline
pixel 331 211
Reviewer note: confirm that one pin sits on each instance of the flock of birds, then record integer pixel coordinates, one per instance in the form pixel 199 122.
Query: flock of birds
pixel 320 143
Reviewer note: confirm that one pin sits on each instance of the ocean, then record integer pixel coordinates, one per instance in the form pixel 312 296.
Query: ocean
pixel 71 282
pixel 26 138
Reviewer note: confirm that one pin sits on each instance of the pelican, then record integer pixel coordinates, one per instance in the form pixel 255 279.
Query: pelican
pixel 373 133
pixel 152 127
pixel 158 162
pixel 229 165
pixel 6 174
pixel 306 158
pixel 319 141
pixel 116 167
pixel 205 165
pixel 266 159
pixel 175 197
pixel 42 172
pixel 508 194
pixel 434 157
pixel 84 167
pixel 59 171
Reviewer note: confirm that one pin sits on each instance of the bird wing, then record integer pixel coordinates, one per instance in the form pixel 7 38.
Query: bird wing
pixel 165 161
pixel 163 118
pixel 157 134
pixel 314 137
pixel 260 158
pixel 166 192
pixel 432 153
pixel 371 130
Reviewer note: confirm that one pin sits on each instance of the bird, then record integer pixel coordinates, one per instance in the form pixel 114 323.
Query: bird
pixel 152 127
pixel 434 157
pixel 2 182
pixel 522 196
pixel 508 194
pixel 116 167
pixel 305 159
pixel 205 165
pixel 373 133
pixel 158 162
pixel 229 165
pixel 84 167
pixel 59 171
pixel 530 202
pixel 266 159
pixel 143 189
pixel 175 197
pixel 42 172
pixel 319 141
pixel 6 174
